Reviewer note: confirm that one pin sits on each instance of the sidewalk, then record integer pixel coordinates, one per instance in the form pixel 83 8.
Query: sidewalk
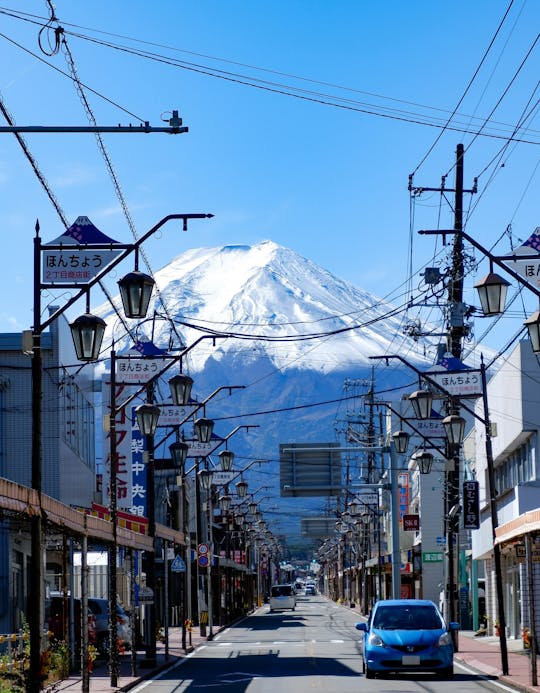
pixel 100 677
pixel 484 655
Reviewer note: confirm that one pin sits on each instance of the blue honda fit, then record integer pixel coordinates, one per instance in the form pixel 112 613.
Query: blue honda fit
pixel 406 635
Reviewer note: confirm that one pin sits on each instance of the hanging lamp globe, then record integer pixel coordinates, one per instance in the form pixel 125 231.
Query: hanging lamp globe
pixel 147 418
pixel 421 401
pixel 87 333
pixel 492 294
pixel 226 458
pixel 401 441
pixel 203 429
pixel 180 386
pixel 179 451
pixel 454 427
pixel 241 489
pixel 533 327
pixel 136 292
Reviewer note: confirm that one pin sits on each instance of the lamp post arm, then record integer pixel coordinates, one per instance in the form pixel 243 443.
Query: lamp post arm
pixel 432 382
pixel 127 250
pixel 495 259
pixel 154 378
pixel 407 421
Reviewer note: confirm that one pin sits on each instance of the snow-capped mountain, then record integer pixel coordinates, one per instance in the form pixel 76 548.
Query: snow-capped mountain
pixel 296 313
pixel 289 333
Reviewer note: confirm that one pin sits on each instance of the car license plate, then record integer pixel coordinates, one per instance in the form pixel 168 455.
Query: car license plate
pixel 410 660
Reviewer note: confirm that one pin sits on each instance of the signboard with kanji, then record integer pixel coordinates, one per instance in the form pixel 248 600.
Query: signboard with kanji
pixel 72 260
pixel 432 556
pixel 466 383
pixel 471 505
pixel 172 415
pixel 138 371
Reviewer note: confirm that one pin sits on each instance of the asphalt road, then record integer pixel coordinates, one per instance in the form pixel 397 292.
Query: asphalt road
pixel 314 648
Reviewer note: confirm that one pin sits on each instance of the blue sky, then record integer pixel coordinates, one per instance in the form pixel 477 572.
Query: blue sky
pixel 329 182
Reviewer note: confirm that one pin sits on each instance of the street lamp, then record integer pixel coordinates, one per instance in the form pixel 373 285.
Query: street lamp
pixel 226 458
pixel 424 460
pixel 533 327
pixel 241 488
pixel 180 386
pixel 401 441
pixel 135 292
pixel 203 429
pixel 421 401
pixel 492 291
pixel 147 418
pixel 179 451
pixel 87 333
pixel 454 428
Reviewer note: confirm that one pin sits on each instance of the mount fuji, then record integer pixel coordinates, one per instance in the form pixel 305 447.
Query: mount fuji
pixel 290 333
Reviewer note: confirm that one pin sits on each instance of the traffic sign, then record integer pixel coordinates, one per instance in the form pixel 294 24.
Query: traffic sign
pixel 202 549
pixel 178 565
pixel 203 560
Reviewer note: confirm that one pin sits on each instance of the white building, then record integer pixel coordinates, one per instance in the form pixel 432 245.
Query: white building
pixel 513 395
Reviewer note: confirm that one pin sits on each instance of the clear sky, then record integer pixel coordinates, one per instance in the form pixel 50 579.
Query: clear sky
pixel 305 120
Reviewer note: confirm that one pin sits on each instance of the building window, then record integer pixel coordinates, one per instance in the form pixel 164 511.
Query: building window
pixel 78 428
pixel 517 468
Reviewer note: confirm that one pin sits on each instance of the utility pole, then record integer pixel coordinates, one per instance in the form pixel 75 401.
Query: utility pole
pixel 456 330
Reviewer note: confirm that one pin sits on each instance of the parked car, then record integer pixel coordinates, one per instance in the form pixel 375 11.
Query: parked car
pixel 100 609
pixel 310 589
pixel 406 635
pixel 57 620
pixel 282 597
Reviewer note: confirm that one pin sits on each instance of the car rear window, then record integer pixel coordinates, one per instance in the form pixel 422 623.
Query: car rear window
pixel 281 591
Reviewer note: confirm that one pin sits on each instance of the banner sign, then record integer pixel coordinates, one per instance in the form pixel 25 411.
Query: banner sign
pixel 471 505
pixel 74 261
pixel 172 415
pixel 458 383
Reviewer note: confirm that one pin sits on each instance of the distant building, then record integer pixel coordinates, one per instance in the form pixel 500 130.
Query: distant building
pixel 68 450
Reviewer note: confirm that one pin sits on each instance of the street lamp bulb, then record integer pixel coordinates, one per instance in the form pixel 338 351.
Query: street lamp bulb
pixel 492 294
pixel 135 291
pixel 147 418
pixel 87 333
pixel 180 386
pixel 203 429
pixel 226 458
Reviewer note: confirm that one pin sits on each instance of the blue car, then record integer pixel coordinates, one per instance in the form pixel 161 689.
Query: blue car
pixel 407 635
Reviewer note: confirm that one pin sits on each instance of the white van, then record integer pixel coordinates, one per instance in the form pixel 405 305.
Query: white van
pixel 282 597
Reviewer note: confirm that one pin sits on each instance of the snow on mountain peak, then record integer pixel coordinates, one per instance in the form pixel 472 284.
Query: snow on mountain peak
pixel 269 292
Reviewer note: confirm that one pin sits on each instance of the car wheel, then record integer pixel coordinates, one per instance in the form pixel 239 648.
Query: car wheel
pixel 369 673
pixel 294 608
pixel 363 666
